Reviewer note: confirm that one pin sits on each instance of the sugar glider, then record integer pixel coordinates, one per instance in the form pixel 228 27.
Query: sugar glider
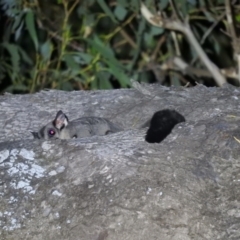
pixel 62 128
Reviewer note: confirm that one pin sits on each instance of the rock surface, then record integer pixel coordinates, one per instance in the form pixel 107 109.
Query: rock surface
pixel 119 187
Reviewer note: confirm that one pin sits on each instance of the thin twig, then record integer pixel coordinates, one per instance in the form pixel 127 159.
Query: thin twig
pixel 178 64
pixel 207 33
pixel 231 30
pixel 185 29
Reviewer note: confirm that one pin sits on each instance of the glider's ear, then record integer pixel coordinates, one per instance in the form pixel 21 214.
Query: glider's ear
pixel 60 121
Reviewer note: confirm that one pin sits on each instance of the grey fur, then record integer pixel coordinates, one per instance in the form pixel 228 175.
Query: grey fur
pixel 62 128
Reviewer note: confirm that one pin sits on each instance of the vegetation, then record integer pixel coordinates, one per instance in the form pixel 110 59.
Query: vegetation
pixel 102 44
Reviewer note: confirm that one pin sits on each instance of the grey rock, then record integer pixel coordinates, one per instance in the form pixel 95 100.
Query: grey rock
pixel 119 186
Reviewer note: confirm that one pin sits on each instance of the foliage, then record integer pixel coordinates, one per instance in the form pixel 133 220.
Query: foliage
pixel 102 44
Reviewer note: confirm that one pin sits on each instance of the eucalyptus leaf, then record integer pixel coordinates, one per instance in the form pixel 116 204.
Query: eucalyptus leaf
pixel 182 6
pixel 16 87
pixel 90 19
pixel 192 2
pixel 105 50
pixel 46 50
pixel 18 31
pixel 210 17
pixel 100 46
pixel 137 50
pixel 107 10
pixel 71 64
pixel 217 47
pixel 120 12
pixel 135 5
pixel 15 58
pixel 163 4
pixel 18 25
pixel 103 79
pixel 25 57
pixel 119 74
pixel 11 7
pixel 156 30
pixel 94 84
pixel 66 86
pixel 237 17
pixel 123 3
pixel 83 58
pixel 30 24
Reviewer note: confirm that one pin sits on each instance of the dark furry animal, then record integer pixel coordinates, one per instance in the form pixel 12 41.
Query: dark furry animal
pixel 161 124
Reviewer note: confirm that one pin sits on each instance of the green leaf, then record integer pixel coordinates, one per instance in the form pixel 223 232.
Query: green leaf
pixel 107 10
pixel 18 25
pixel 134 5
pixel 105 51
pixel 115 67
pixel 120 12
pixel 210 17
pixel 123 3
pixel 156 30
pixel 18 31
pixel 199 30
pixel 192 2
pixel 182 6
pixel 18 20
pixel 100 46
pixel 137 50
pixel 83 58
pixel 17 87
pixel 119 74
pixel 94 84
pixel 103 78
pixel 237 17
pixel 217 47
pixel 163 4
pixel 66 86
pixel 30 24
pixel 46 50
pixel 90 19
pixel 24 56
pixel 71 64
pixel 15 58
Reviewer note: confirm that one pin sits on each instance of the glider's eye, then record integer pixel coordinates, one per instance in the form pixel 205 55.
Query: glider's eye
pixel 51 132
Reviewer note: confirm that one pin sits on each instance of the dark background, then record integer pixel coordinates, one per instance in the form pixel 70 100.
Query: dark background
pixel 102 44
